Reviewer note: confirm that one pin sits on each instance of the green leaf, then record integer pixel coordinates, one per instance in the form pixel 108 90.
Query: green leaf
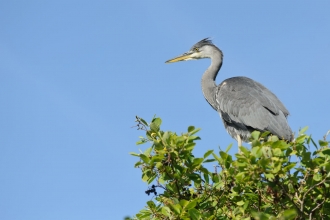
pixel 303 130
pixel 209 160
pixel 138 163
pixel 326 151
pixel 159 147
pixel 226 158
pixel 144 158
pixel 255 135
pixel 183 203
pixel 208 153
pixel 277 168
pixel 289 214
pixel 191 205
pixel 152 178
pixel 323 143
pixel 228 148
pixel 317 177
pixel 197 162
pixel 246 204
pixel 166 211
pixel 142 120
pixel 215 178
pixel 166 137
pixel 176 208
pixel 147 151
pixel 265 134
pixel 260 216
pixel 240 176
pixel 193 138
pixel 142 141
pixel 240 203
pixel 145 177
pixel 245 151
pixel 151 204
pixel 256 152
pixel 217 158
pixel 194 131
pixel 194 214
pixel 255 143
pixel 191 128
pixel 179 140
pixel 204 170
pixel 301 139
pixel 134 154
pixel 269 176
pixel 327 167
pixel 280 144
pixel 223 155
pixel 157 158
pixel 292 152
pixel 206 178
pixel 264 162
pixel 190 146
pixel 194 177
pixel 228 161
pixel 161 180
pixel 277 152
pixel 313 142
pixel 241 164
pixel 289 167
pixel 155 124
pixel 273 138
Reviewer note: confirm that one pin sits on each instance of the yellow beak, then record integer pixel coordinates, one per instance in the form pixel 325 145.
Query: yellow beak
pixel 183 57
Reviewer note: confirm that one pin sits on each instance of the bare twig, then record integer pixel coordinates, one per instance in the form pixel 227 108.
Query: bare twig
pixel 318 206
pixel 289 196
pixel 304 196
pixel 325 136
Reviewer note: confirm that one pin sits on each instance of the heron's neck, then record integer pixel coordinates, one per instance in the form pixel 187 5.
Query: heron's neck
pixel 208 78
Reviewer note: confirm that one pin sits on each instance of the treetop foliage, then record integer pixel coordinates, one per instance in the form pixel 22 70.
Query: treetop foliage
pixel 273 179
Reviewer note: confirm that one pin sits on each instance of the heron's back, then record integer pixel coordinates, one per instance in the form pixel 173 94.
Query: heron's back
pixel 246 105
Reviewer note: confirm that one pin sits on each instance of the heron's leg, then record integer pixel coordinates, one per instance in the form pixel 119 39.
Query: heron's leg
pixel 239 141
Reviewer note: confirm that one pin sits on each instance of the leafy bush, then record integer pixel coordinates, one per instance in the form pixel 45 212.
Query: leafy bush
pixel 272 180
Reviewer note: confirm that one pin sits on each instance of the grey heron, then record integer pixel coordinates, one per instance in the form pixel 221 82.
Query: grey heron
pixel 243 104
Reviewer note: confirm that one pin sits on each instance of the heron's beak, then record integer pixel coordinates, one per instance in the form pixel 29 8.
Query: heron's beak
pixel 183 57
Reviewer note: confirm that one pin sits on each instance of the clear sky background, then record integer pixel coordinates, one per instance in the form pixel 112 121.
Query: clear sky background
pixel 74 74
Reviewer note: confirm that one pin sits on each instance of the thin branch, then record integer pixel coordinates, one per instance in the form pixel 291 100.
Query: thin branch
pixel 289 196
pixel 304 196
pixel 176 182
pixel 259 200
pixel 296 196
pixel 318 206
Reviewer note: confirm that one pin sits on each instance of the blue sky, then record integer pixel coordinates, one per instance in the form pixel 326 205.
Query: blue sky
pixel 73 75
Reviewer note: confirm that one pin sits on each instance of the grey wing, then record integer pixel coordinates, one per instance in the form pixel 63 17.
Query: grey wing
pixel 244 102
pixel 272 98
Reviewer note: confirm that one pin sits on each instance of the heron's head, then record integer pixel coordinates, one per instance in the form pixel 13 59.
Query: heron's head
pixel 202 49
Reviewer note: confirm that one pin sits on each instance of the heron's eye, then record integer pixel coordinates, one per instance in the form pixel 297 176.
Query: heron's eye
pixel 196 49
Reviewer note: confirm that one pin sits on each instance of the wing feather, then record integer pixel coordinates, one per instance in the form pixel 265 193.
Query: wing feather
pixel 247 102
